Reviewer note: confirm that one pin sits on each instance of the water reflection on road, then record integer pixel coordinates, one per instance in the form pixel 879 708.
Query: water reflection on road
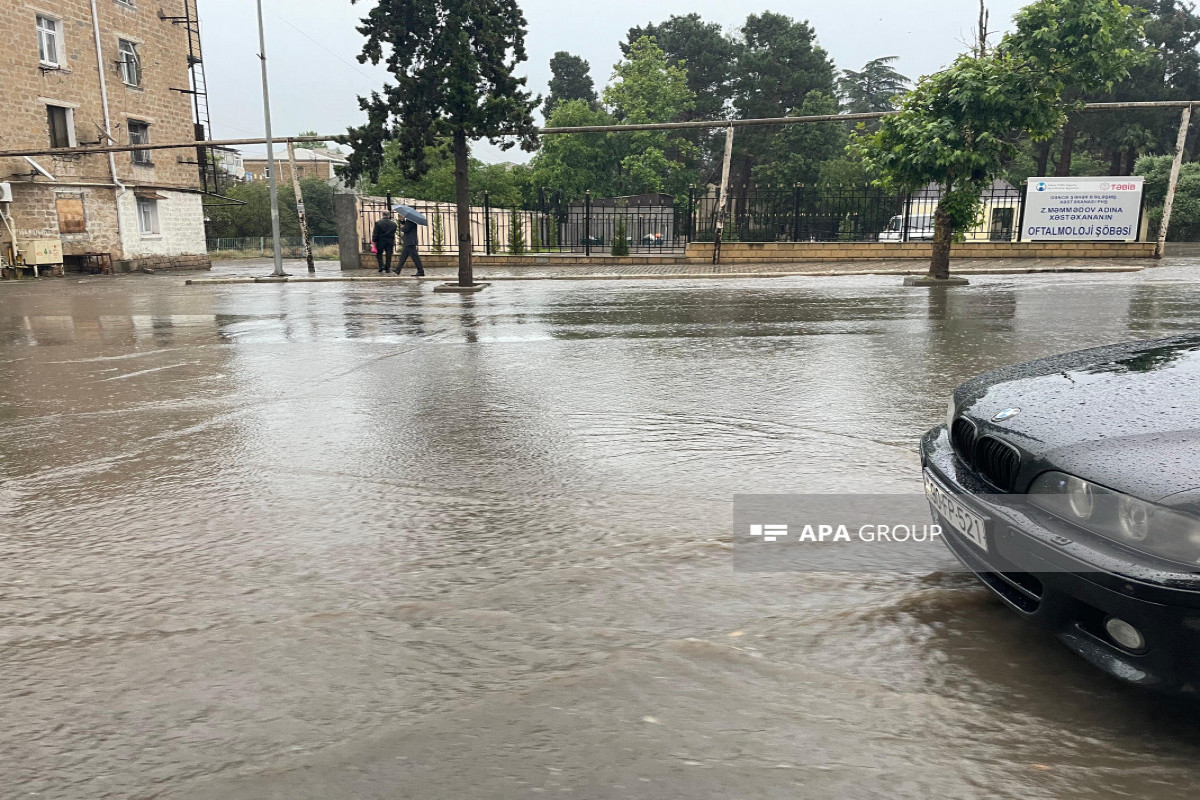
pixel 359 540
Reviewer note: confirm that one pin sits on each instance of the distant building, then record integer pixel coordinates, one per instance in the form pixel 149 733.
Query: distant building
pixel 142 208
pixel 320 163
pixel 229 164
pixel 648 218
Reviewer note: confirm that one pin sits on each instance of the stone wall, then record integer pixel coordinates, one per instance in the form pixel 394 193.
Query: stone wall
pixel 785 252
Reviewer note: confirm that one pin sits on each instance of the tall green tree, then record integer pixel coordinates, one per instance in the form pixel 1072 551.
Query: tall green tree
pixel 646 88
pixel 957 128
pixel 452 63
pixel 575 163
pixel 571 79
pixel 704 50
pixel 804 149
pixel 778 64
pixel 873 88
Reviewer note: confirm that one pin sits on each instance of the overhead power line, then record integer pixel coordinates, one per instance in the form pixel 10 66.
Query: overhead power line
pixel 657 126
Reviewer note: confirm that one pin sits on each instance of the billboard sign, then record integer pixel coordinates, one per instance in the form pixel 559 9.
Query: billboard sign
pixel 1082 209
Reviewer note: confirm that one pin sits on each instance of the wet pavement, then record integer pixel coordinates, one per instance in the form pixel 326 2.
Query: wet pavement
pixel 364 540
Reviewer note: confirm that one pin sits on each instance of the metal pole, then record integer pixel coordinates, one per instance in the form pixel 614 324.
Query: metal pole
pixel 1021 214
pixel 724 195
pixel 587 223
pixel 304 240
pixel 1185 120
pixel 262 55
pixel 487 223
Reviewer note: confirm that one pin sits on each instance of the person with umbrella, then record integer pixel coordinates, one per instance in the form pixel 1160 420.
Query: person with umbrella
pixel 412 218
pixel 383 235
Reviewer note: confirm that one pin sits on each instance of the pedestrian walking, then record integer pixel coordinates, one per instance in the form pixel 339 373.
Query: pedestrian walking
pixel 384 237
pixel 410 248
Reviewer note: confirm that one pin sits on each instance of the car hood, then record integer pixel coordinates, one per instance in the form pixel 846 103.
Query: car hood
pixel 1125 416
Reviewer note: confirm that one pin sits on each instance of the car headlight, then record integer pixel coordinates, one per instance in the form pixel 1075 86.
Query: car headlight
pixel 1113 515
pixel 951 412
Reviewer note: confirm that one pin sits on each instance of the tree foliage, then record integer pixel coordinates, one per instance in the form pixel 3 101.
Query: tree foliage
pixel 571 79
pixel 452 64
pixel 252 217
pixel 958 128
pixel 1185 213
pixel 873 88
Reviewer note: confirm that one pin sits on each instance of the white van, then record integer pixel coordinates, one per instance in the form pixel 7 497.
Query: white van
pixel 920 229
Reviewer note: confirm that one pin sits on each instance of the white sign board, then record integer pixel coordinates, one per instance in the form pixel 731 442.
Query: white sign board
pixel 1082 209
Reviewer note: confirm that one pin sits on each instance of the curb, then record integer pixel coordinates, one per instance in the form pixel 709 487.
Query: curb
pixel 667 276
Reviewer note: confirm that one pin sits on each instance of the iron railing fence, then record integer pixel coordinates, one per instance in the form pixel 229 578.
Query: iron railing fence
pixel 293 246
pixel 846 214
pixel 659 224
pixel 555 223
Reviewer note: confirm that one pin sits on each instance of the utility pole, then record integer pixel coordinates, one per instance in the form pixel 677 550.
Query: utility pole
pixel 308 254
pixel 262 55
pixel 1184 122
pixel 723 209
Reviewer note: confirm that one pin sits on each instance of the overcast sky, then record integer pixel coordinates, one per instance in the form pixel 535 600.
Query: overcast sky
pixel 316 79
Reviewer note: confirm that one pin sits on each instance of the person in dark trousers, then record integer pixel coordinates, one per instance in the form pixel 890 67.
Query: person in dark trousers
pixel 410 248
pixel 384 237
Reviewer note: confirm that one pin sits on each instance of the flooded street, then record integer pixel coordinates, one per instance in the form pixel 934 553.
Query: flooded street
pixel 361 540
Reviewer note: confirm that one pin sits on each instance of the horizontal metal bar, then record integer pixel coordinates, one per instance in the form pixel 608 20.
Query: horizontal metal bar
pixel 658 126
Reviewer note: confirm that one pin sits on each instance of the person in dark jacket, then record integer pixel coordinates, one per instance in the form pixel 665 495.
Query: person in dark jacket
pixel 384 237
pixel 410 248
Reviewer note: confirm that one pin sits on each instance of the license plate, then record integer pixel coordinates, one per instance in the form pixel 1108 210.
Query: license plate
pixel 963 520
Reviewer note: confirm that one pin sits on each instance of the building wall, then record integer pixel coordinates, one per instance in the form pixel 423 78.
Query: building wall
pixel 28 88
pixel 283 170
pixel 180 243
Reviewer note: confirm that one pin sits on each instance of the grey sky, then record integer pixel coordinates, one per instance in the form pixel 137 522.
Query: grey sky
pixel 315 78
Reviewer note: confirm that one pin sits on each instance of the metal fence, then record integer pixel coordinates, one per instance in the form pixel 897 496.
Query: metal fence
pixel 658 224
pixel 293 246
pixel 648 224
pixel 852 214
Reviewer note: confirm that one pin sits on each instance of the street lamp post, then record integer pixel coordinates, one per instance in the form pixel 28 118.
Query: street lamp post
pixel 262 55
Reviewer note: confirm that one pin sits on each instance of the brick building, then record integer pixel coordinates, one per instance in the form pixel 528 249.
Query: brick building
pixel 310 163
pixel 91 72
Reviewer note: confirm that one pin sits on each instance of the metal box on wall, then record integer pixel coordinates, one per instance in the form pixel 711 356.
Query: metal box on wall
pixel 41 252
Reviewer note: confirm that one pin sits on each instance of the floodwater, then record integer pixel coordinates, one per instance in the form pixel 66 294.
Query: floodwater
pixel 365 541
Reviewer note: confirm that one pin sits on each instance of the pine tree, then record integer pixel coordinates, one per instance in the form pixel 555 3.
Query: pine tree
pixel 516 233
pixel 439 234
pixel 452 63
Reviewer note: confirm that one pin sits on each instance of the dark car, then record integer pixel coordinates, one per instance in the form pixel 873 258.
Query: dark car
pixel 1070 486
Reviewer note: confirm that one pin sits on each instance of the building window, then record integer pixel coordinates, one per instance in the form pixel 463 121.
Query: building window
pixel 62 126
pixel 139 133
pixel 130 63
pixel 70 213
pixel 49 31
pixel 147 215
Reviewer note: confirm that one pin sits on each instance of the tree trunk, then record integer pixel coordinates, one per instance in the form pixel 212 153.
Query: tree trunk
pixel 462 198
pixel 939 261
pixel 1043 158
pixel 1068 147
pixel 1114 163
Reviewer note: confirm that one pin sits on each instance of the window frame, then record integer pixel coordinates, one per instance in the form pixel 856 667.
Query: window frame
pixel 129 68
pixel 54 35
pixel 140 158
pixel 148 218
pixel 68 123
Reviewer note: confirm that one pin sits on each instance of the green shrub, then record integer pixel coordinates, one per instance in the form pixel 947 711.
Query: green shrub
pixel 516 233
pixel 620 242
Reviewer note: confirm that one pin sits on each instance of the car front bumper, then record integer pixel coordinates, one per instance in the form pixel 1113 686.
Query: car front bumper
pixel 1071 584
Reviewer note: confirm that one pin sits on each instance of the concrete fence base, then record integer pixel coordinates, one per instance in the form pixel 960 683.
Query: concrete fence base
pixel 785 252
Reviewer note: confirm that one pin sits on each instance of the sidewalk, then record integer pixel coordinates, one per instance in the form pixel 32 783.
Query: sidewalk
pixel 252 270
